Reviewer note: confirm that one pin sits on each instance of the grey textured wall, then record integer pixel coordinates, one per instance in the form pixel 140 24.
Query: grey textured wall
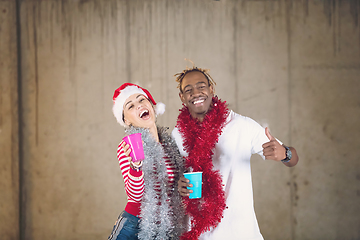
pixel 9 134
pixel 291 65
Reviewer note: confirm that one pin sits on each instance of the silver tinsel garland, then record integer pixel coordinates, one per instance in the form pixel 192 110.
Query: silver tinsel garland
pixel 162 214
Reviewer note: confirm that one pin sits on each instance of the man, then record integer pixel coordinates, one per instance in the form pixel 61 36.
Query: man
pixel 219 142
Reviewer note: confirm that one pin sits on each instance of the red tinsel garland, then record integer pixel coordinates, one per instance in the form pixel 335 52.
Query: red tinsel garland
pixel 199 141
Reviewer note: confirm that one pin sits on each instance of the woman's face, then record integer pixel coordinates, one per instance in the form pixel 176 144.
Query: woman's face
pixel 138 111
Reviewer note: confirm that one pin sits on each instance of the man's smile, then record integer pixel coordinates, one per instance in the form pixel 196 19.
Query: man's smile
pixel 198 101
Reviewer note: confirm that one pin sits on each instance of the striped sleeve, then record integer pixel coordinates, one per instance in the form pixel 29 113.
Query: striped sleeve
pixel 134 181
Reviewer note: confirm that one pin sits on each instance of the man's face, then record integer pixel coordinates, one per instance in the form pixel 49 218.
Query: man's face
pixel 196 94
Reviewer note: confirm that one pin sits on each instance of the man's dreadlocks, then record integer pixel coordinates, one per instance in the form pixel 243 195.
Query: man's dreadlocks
pixel 180 76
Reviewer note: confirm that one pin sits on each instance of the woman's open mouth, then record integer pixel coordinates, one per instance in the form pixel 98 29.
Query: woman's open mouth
pixel 144 114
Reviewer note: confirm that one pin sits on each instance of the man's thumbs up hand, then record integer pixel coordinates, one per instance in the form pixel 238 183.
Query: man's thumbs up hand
pixel 267 132
pixel 272 150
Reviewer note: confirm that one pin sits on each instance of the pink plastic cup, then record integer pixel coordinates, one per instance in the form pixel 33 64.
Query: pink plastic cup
pixel 135 142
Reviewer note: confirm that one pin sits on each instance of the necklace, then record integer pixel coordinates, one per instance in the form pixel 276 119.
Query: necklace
pixel 199 141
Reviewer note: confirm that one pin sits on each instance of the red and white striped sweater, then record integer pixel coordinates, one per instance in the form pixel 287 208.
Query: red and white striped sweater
pixel 134 181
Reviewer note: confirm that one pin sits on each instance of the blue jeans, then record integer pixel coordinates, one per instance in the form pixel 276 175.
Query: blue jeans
pixel 126 227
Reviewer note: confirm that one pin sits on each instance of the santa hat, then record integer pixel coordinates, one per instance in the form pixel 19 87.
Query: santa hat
pixel 125 91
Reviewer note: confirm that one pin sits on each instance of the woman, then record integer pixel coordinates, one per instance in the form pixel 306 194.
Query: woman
pixel 153 210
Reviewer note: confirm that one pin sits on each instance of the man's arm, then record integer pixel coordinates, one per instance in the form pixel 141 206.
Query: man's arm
pixel 272 150
pixel 294 159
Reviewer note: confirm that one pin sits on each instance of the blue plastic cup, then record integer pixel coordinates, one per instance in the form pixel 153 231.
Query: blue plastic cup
pixel 195 179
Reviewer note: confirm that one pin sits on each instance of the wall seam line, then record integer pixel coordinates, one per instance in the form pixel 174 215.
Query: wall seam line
pixel 20 128
pixel 289 78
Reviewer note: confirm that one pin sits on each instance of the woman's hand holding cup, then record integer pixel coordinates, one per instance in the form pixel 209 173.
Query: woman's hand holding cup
pixel 127 150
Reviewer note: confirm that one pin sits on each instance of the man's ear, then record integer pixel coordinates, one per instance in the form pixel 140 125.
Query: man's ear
pixel 212 90
pixel 181 96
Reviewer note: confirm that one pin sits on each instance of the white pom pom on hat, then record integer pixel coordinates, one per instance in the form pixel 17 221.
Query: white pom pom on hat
pixel 125 91
pixel 160 108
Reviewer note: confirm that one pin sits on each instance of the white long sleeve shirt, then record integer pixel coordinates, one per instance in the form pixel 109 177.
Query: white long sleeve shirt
pixel 241 137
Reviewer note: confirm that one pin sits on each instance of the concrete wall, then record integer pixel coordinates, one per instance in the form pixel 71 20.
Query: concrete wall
pixel 291 65
pixel 9 121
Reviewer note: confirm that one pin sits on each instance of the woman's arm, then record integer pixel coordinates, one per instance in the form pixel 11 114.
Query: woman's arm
pixel 133 179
